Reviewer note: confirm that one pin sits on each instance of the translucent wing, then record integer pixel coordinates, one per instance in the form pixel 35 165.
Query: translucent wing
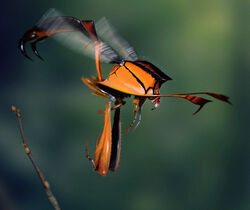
pixel 108 33
pixel 78 35
pixel 81 44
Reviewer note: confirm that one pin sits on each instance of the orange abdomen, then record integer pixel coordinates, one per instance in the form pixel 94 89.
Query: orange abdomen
pixel 130 78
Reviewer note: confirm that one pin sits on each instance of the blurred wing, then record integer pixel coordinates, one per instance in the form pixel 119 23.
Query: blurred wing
pixel 81 44
pixel 77 35
pixel 109 34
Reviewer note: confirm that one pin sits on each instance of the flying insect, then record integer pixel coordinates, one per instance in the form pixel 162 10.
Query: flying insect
pixel 128 77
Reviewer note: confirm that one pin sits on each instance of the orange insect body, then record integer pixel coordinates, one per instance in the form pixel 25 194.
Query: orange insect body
pixel 129 77
pixel 123 79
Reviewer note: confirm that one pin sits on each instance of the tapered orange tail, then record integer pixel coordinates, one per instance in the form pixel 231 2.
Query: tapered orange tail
pixel 103 149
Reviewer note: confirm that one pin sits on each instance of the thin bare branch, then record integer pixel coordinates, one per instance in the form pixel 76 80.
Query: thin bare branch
pixel 44 182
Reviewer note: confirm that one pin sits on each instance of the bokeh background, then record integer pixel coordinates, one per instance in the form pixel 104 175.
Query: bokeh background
pixel 174 160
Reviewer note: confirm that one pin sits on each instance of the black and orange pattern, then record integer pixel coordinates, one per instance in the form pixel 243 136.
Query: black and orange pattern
pixel 137 78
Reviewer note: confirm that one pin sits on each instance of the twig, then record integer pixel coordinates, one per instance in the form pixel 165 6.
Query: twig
pixel 44 182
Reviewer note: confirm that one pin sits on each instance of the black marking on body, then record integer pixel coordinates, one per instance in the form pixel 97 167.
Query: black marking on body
pixel 149 89
pixel 138 80
pixel 158 74
pixel 113 92
pixel 115 71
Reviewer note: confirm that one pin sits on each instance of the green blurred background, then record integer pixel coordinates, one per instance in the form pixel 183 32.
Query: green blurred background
pixel 174 160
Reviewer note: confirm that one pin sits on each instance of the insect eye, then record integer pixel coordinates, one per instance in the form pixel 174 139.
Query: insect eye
pixel 33 35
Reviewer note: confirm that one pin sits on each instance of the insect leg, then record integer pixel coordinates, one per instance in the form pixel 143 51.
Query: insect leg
pixel 119 102
pixel 136 103
pixel 87 154
pixel 139 121
pixel 98 47
pixel 118 105
pixel 142 100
